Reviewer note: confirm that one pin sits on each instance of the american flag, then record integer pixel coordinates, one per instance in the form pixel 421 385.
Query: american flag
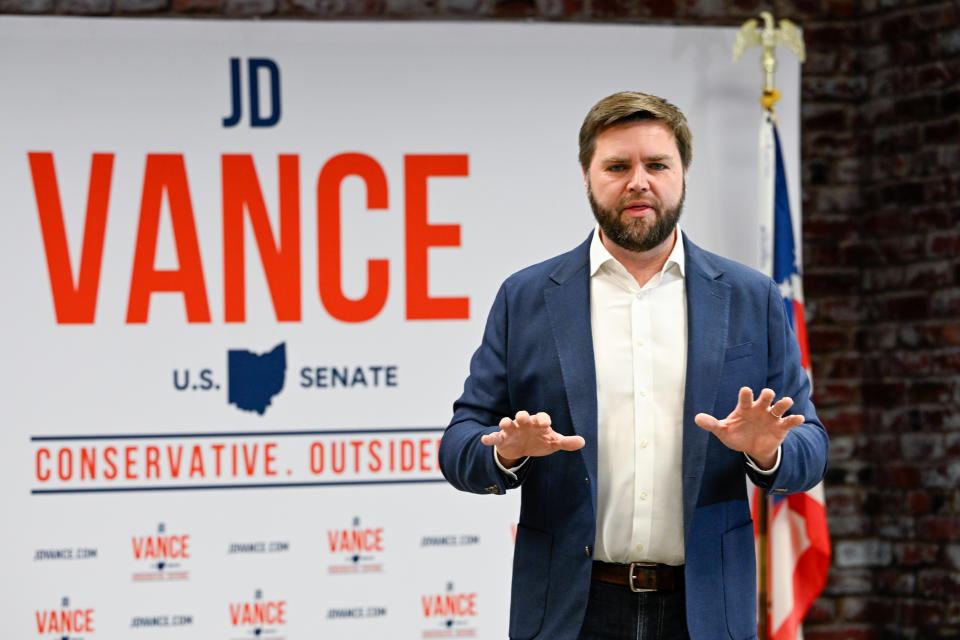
pixel 798 544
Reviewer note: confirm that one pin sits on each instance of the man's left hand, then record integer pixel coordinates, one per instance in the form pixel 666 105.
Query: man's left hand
pixel 755 427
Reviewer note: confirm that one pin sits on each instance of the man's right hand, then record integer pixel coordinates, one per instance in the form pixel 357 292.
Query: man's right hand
pixel 528 435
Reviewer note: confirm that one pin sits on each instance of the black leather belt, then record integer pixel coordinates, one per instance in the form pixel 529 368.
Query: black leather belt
pixel 640 576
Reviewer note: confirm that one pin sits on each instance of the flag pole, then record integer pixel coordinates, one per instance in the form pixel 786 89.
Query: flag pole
pixel 768 38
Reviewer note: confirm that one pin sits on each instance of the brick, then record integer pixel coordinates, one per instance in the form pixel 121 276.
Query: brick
pixel 26 6
pixel 898 475
pixel 918 502
pixel 952 553
pixel 940 16
pixel 846 310
pixel 843 581
pixel 842 632
pixel 141 6
pixel 848 526
pixel 912 553
pixel 822 339
pixel 822 610
pixel 195 6
pixel 894 527
pixel 851 87
pixel 938 583
pixel 240 8
pixel 85 7
pixel 931 391
pixel 922 446
pixel 871 552
pixel 840 421
pixel 946 476
pixel 895 581
pixel 949 42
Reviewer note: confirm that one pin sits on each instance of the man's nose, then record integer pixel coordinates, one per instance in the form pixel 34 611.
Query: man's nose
pixel 638 180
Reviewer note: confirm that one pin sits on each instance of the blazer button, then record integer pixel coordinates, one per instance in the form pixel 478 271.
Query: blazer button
pixel 588 550
pixel 493 489
pixel 587 480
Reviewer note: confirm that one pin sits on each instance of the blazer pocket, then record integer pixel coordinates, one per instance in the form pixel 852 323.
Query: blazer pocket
pixel 739 581
pixel 738 351
pixel 531 577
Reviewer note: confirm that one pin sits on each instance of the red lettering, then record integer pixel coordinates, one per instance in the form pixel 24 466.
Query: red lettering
pixel 329 238
pixel 281 261
pixel 65 464
pixel 316 457
pixel 269 458
pixel 272 612
pixel 250 459
pixel 196 462
pixel 406 455
pixel 153 462
pixel 174 461
pixel 421 235
pixel 88 458
pixel 42 474
pixel 108 455
pixel 130 463
pixel 167 173
pixel 333 455
pixel 73 304
pixel 424 454
pixel 375 465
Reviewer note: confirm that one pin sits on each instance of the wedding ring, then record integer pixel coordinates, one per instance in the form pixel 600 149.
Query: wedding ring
pixel 775 415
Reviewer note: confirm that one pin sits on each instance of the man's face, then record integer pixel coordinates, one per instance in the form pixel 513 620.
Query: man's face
pixel 636 184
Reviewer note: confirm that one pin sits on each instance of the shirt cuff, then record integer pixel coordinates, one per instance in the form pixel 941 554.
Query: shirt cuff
pixel 512 472
pixel 753 465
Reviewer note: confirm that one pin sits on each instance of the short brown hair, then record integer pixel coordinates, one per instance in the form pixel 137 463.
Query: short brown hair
pixel 629 106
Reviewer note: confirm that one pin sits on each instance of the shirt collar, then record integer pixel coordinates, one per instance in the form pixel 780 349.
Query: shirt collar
pixel 599 256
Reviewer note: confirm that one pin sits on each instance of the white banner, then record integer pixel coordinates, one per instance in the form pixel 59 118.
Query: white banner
pixel 245 265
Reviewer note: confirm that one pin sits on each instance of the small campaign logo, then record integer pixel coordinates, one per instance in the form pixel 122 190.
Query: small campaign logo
pixel 69 622
pixel 261 618
pixel 144 622
pixel 356 549
pixel 161 557
pixel 254 379
pixel 451 613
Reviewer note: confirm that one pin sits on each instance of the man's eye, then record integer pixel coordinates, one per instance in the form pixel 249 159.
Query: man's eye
pixel 657 166
pixel 617 167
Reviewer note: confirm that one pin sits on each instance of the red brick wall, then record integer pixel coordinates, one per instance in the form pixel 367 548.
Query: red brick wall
pixel 881 193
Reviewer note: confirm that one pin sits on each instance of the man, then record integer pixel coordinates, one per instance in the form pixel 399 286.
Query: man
pixel 616 385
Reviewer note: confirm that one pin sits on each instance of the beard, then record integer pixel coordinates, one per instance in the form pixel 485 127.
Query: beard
pixel 637 234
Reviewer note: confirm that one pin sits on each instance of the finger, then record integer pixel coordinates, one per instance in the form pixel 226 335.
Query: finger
pixel 780 407
pixel 708 422
pixel 745 399
pixel 571 443
pixel 507 423
pixel 765 399
pixel 523 419
pixel 789 422
pixel 492 439
pixel 543 419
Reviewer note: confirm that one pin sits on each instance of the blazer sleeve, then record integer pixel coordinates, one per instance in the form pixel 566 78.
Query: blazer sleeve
pixel 803 459
pixel 466 462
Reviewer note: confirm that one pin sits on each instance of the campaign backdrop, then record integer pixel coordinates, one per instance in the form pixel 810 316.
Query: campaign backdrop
pixel 245 265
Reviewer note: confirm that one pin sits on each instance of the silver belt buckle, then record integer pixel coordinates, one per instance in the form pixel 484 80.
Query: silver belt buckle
pixel 633 587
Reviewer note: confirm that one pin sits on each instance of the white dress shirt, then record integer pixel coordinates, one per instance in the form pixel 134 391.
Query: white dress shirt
pixel 640 352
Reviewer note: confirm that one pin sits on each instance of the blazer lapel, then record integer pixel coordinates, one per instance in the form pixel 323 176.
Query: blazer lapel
pixel 708 308
pixel 567 299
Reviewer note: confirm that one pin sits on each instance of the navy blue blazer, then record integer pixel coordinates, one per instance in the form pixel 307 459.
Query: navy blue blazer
pixel 537 355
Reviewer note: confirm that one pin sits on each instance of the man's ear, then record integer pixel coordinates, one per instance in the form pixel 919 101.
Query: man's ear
pixel 586 180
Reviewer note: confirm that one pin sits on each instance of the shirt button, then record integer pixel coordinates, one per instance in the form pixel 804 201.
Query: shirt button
pixel 642 393
pixel 643 444
pixel 639 547
pixel 643 495
pixel 639 343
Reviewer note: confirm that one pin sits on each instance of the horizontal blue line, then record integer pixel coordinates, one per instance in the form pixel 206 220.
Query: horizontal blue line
pixel 236 434
pixel 205 487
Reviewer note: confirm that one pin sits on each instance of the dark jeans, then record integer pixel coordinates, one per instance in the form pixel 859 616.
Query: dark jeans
pixel 616 613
